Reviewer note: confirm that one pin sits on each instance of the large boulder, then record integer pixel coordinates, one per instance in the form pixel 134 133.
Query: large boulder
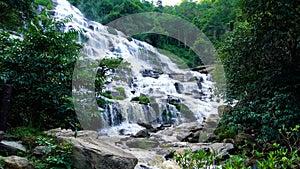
pixel 11 148
pixel 15 162
pixel 90 152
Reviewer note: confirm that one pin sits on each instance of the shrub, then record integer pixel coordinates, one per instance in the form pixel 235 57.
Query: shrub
pixel 274 155
pixel 57 155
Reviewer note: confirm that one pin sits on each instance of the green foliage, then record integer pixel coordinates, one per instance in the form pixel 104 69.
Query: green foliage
pixel 56 155
pixel 144 100
pixel 40 66
pixel 2 162
pixel 27 135
pixel 46 3
pixel 122 93
pixel 15 13
pixel 199 159
pixel 262 67
pixel 107 94
pixel 104 66
pixel 214 18
pixel 141 99
pixel 227 133
pixel 278 158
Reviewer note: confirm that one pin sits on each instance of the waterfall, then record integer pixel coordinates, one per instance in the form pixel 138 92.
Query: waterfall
pixel 175 95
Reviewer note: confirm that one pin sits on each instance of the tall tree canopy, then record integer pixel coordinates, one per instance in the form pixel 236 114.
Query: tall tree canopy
pixel 262 65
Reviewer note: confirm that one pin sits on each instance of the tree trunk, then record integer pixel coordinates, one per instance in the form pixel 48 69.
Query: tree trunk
pixel 5 104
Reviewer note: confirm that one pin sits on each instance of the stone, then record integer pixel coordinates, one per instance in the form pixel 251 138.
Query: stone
pixel 14 144
pixel 142 143
pixel 179 87
pixel 90 152
pixel 145 124
pixel 39 151
pixel 151 73
pixel 170 165
pixel 183 136
pixel 222 149
pixel 241 138
pixel 15 162
pixel 11 148
pixel 142 134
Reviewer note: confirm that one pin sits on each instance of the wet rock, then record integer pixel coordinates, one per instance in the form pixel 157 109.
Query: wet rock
pixel 189 77
pixel 144 166
pixel 15 162
pixel 170 155
pixel 163 126
pixel 142 134
pixel 178 87
pixel 147 125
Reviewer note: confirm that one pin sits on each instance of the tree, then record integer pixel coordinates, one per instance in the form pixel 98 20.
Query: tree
pixel 261 62
pixel 39 66
pixel 14 13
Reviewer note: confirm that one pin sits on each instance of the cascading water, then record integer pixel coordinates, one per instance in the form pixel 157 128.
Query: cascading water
pixel 174 95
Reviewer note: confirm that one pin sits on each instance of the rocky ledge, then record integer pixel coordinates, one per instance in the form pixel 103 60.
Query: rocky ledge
pixel 151 148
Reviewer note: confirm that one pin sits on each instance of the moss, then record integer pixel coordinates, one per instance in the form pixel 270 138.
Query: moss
pixel 107 94
pixel 122 95
pixel 141 100
pixel 144 100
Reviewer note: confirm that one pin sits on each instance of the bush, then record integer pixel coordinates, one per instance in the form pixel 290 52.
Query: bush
pixel 285 155
pixel 57 155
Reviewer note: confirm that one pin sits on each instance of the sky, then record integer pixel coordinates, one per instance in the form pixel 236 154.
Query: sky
pixel 171 2
pixel 167 2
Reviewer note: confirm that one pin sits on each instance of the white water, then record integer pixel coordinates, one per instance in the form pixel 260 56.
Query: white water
pixel 139 56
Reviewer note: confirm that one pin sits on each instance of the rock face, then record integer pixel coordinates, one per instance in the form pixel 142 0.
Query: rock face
pixel 89 152
pixel 15 162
